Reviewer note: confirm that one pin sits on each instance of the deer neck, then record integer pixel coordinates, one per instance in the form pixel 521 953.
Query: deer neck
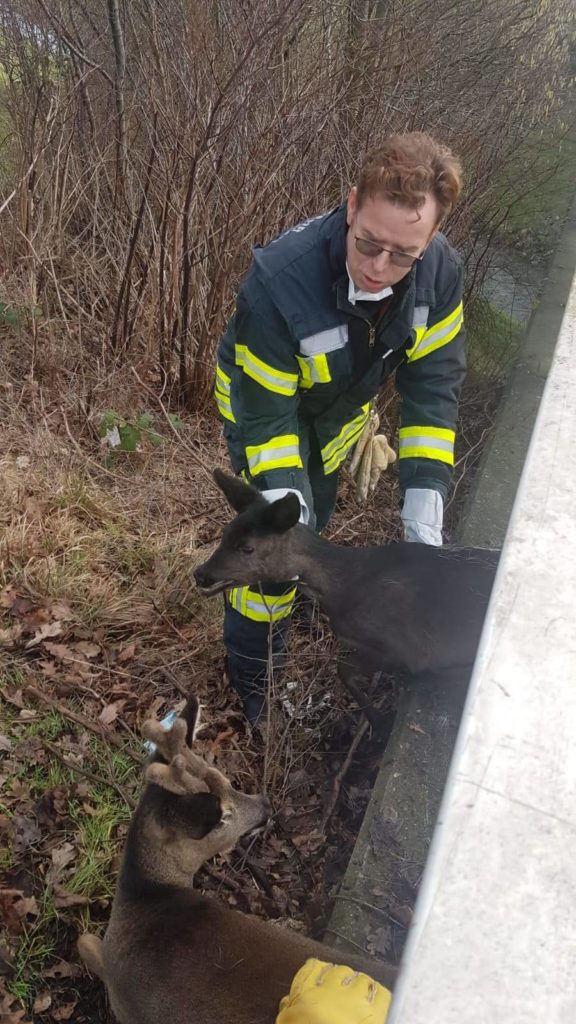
pixel 146 862
pixel 319 563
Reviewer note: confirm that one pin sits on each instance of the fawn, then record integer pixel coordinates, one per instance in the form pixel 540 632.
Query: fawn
pixel 170 953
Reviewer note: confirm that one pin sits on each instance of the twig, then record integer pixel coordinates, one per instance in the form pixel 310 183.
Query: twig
pixel 130 803
pixel 364 903
pixel 346 938
pixel 219 876
pixel 79 450
pixel 339 777
pixel 85 722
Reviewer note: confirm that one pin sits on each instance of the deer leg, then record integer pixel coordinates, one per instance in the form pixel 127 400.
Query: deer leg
pixel 357 685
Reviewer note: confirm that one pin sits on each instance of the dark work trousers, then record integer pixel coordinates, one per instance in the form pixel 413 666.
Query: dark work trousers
pixel 250 643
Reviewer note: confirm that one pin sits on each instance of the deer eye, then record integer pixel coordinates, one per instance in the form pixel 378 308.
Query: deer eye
pixel 246 549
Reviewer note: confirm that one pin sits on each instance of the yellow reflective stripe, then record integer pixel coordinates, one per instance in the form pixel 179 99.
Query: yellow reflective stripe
pixel 437 335
pixel 334 453
pixel 265 374
pixel 277 453
pixel 313 370
pixel 223 381
pixel 261 607
pixel 427 443
pixel 224 406
pixel 222 394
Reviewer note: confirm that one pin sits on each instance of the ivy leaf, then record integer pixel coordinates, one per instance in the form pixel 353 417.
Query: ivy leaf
pixel 145 421
pixel 110 419
pixel 129 436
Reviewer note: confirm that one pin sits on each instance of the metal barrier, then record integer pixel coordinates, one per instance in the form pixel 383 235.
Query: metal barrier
pixel 494 933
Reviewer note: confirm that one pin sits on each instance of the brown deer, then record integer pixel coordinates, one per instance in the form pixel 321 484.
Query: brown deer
pixel 170 953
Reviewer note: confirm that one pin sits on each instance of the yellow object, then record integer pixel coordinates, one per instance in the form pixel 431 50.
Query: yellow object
pixel 371 456
pixel 323 993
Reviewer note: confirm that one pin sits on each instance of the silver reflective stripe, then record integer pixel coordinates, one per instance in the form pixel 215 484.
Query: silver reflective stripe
pixel 426 441
pixel 272 454
pixel 325 341
pixel 257 369
pixel 431 337
pixel 420 318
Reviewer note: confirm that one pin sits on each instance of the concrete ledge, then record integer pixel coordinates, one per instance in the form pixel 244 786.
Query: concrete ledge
pixel 384 871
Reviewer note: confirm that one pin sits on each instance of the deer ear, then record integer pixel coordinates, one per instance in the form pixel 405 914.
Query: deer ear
pixel 238 494
pixel 191 715
pixel 281 515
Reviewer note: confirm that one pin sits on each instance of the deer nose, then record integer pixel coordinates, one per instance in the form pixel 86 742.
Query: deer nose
pixel 201 576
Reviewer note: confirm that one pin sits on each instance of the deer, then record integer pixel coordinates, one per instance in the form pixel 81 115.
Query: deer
pixel 409 610
pixel 170 952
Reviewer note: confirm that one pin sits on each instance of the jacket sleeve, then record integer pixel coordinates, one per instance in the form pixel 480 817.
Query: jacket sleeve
pixel 429 384
pixel 265 395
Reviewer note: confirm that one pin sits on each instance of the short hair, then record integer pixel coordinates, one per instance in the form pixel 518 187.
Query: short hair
pixel 406 168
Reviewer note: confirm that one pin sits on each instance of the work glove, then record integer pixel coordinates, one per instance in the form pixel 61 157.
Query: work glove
pixel 422 515
pixel 372 455
pixel 323 993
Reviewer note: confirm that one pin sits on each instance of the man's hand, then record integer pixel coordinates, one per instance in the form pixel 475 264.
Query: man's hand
pixel 323 993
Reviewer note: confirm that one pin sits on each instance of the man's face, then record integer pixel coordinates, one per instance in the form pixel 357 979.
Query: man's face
pixel 392 226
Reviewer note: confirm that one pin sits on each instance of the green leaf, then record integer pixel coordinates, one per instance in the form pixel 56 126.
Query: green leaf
pixel 156 439
pixel 176 421
pixel 145 421
pixel 109 419
pixel 129 436
pixel 8 315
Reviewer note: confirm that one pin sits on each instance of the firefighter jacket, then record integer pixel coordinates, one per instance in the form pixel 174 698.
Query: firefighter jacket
pixel 298 356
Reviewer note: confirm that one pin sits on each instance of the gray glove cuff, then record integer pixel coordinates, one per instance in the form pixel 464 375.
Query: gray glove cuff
pixel 422 515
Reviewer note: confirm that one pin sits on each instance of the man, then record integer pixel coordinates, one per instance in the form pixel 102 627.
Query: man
pixel 327 311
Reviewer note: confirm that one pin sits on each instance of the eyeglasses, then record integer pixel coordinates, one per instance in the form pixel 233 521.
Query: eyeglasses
pixel 371 249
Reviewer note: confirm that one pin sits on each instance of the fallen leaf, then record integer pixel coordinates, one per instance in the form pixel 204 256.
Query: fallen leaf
pixel 381 940
pixel 127 652
pixel 9 916
pixel 10 635
pixel 49 669
pixel 42 1002
pixel 26 833
pixel 62 970
pixel 65 1011
pixel 8 596
pixel 61 652
pixel 62 856
pixel 64 899
pixel 61 610
pixel 26 906
pixel 21 606
pixel 15 698
pixel 5 743
pixel 46 630
pixel 109 714
pixel 87 649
